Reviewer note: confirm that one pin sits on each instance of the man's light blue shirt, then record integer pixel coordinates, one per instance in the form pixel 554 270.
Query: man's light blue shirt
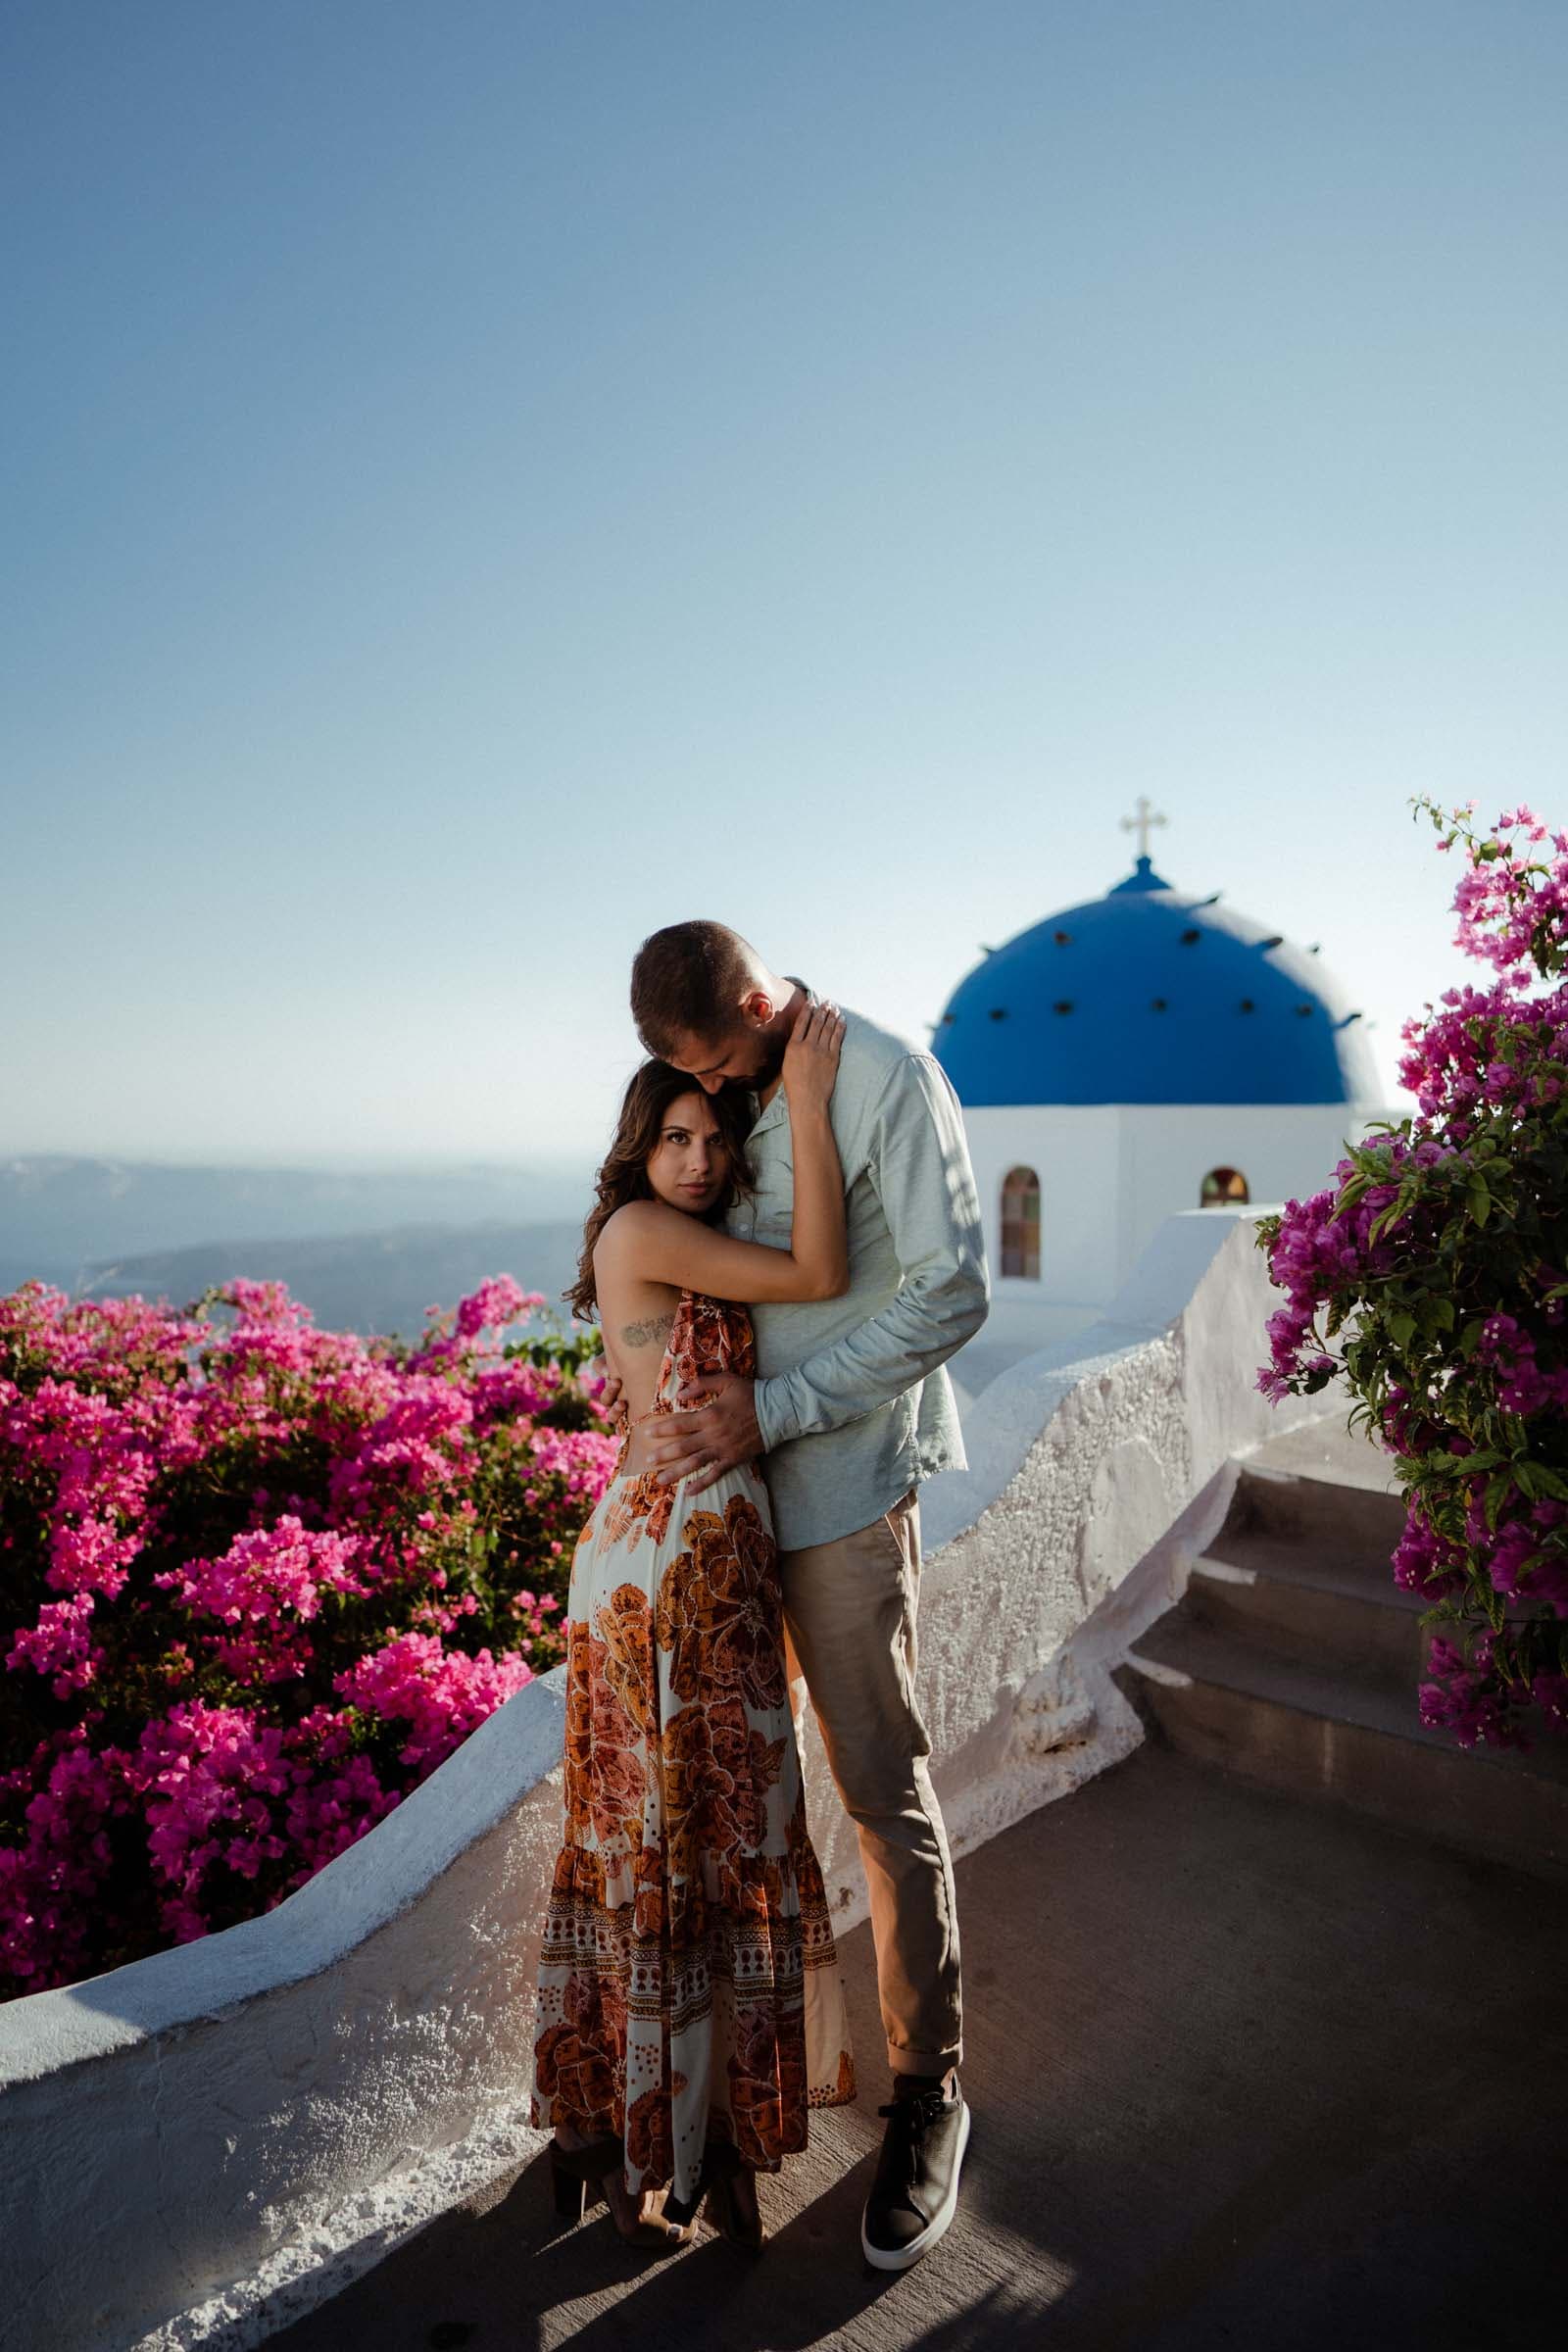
pixel 853 1402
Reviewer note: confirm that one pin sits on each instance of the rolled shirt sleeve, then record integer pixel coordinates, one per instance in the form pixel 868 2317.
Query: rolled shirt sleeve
pixel 920 1167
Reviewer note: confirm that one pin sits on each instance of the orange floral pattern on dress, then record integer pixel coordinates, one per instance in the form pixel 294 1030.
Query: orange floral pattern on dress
pixel 580 1873
pixel 624 1623
pixel 768 2100
pixel 649 2140
pixel 573 2070
pixel 647 1877
pixel 720 1606
pixel 687 1940
pixel 596 2007
pixel 708 1336
pixel 639 1503
pixel 717 1770
pixel 607 1774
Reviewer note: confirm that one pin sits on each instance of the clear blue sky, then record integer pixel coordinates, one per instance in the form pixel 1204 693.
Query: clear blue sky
pixel 481 481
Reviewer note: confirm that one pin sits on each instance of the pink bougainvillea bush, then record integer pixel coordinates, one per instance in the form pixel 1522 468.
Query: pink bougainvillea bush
pixel 1434 1274
pixel 256 1582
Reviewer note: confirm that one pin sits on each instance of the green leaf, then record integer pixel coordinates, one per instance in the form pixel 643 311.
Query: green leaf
pixel 1496 1491
pixel 1470 1336
pixel 1387 1215
pixel 1401 1323
pixel 1480 1201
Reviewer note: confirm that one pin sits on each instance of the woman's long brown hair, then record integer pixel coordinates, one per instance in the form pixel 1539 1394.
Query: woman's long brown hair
pixel 623 1175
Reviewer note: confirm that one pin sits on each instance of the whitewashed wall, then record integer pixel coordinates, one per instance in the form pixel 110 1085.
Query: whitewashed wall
pixel 202 2146
pixel 1111 1173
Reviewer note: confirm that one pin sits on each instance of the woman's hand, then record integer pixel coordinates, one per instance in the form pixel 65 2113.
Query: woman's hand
pixel 811 1056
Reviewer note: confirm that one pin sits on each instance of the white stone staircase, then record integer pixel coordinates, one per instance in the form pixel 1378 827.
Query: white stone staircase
pixel 1293 1658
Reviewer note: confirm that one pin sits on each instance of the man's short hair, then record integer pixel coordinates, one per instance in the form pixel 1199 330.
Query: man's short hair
pixel 687 981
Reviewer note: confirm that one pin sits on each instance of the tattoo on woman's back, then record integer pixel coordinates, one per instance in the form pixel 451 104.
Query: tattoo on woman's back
pixel 644 1334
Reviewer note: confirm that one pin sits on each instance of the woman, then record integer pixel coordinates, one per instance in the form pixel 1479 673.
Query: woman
pixel 690 2007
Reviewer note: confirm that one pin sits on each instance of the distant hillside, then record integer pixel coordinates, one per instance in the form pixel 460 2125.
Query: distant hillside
pixel 365 1282
pixel 60 1214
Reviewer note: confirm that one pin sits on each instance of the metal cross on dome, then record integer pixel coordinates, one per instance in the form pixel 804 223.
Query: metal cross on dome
pixel 1141 824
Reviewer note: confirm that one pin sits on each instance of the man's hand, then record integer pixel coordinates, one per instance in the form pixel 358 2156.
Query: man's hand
pixel 612 1399
pixel 701 1444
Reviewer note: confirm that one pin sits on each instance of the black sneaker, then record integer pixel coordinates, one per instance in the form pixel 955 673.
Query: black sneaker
pixel 915 2192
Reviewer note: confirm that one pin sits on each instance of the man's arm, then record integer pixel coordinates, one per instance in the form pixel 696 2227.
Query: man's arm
pixel 920 1165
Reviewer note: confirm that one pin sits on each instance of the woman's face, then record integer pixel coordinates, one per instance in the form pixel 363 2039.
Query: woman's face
pixel 689 1164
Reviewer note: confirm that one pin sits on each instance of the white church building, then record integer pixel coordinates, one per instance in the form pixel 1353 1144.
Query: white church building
pixel 1144 1053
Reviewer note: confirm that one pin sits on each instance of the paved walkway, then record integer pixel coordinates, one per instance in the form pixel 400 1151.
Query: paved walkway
pixel 1246 2072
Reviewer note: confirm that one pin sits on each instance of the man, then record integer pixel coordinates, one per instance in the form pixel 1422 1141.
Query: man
pixel 853 1410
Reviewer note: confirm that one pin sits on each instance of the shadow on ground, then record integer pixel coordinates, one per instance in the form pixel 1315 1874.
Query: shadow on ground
pixel 1245 2070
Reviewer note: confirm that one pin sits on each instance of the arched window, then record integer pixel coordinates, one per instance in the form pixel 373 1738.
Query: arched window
pixel 1020 1223
pixel 1223 1186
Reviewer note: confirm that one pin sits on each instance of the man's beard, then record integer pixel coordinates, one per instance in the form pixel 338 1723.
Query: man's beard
pixel 771 1066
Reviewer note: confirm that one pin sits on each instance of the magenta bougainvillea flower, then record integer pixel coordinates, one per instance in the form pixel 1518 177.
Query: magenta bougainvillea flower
pixel 1434 1274
pixel 263 1580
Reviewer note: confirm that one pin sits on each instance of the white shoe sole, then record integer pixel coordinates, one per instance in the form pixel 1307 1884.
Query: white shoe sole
pixel 882 2259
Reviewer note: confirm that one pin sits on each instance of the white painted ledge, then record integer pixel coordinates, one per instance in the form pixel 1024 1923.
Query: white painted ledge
pixel 202 2146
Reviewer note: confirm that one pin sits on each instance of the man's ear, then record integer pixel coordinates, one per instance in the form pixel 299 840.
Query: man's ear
pixel 757 1008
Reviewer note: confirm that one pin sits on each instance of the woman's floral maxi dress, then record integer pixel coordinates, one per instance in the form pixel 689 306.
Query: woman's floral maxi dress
pixel 688 1982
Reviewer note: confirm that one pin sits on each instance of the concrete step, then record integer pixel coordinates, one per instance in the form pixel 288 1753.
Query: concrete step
pixel 1315 1732
pixel 1355 1527
pixel 1276 1595
pixel 1248 1542
pixel 1330 1449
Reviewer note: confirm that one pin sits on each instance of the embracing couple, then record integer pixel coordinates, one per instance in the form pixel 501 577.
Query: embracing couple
pixel 784 1249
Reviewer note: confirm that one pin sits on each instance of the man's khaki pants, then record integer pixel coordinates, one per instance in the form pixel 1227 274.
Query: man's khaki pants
pixel 849 1614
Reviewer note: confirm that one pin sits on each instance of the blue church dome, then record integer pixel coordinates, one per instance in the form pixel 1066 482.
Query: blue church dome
pixel 1150 996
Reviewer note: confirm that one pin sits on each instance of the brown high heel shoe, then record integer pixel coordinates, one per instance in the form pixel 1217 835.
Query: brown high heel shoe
pixel 641 2220
pixel 726 2191
pixel 582 2171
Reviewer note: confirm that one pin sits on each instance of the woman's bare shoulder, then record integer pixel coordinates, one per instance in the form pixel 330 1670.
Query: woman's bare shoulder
pixel 633 1216
pixel 632 1224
